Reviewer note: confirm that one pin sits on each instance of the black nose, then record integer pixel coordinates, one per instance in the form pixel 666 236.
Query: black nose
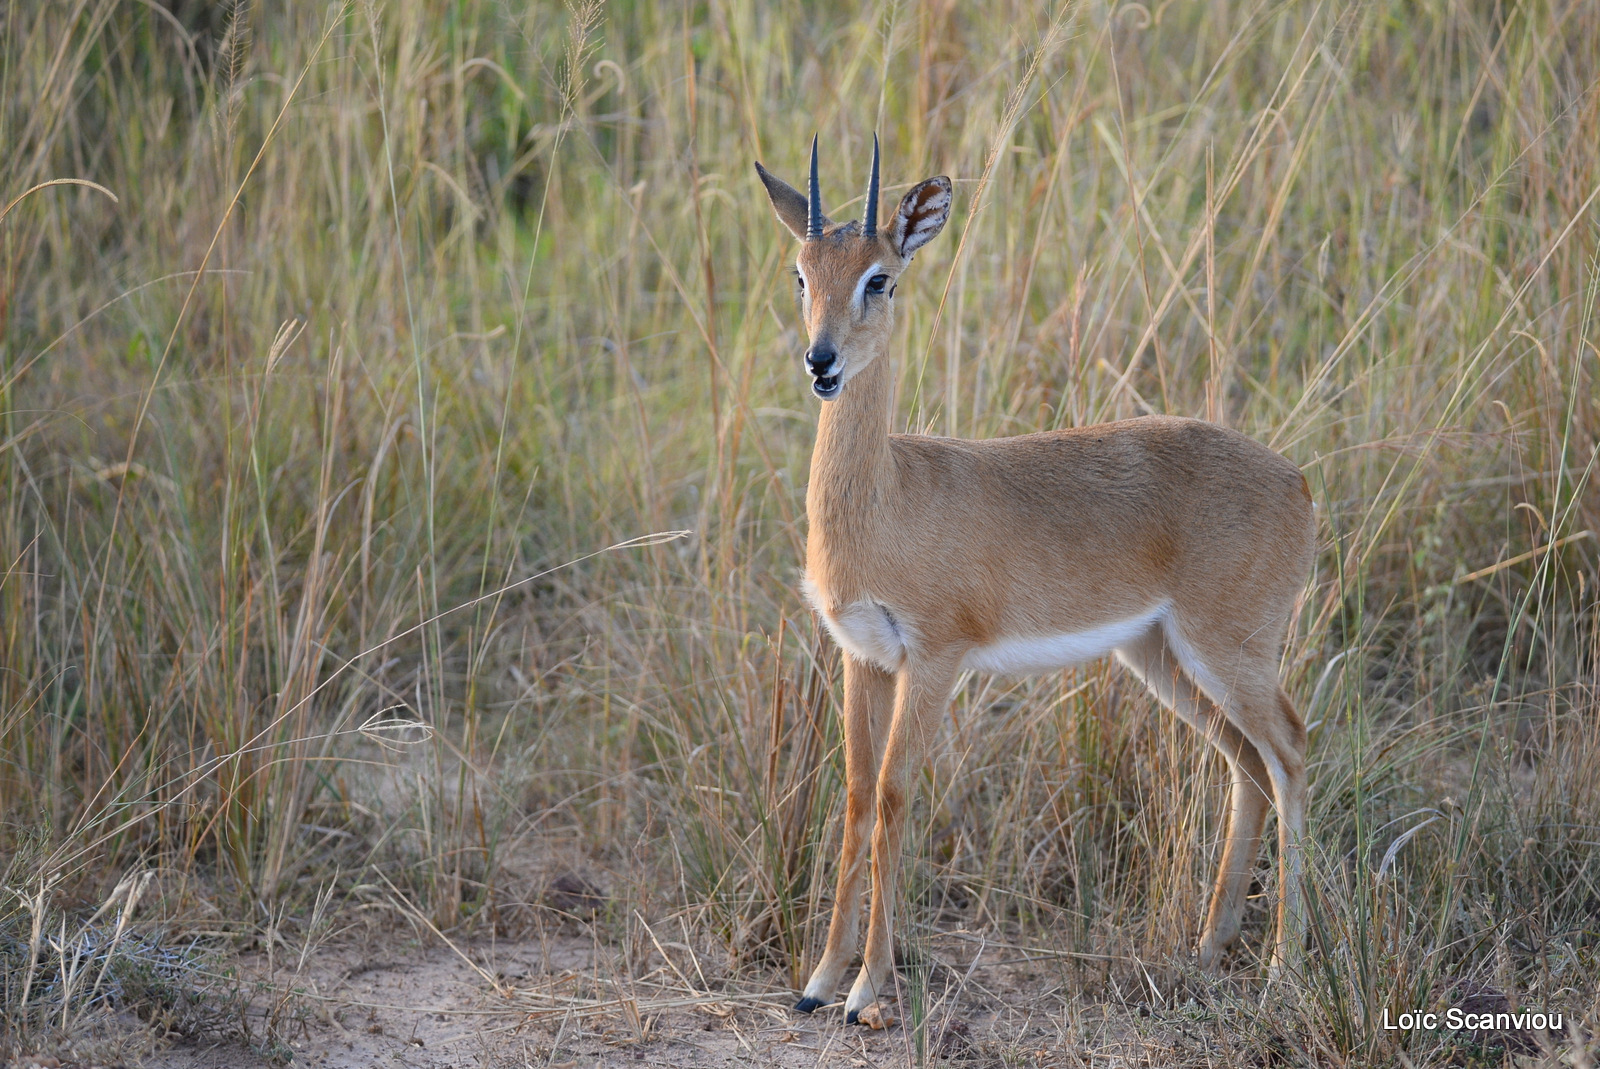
pixel 819 360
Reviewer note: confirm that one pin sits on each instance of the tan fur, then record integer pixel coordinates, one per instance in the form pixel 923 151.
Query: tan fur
pixel 1200 536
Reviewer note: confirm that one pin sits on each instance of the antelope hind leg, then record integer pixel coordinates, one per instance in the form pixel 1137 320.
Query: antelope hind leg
pixel 1153 661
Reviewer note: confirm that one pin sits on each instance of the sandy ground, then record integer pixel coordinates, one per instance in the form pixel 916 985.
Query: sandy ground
pixel 562 1003
pixel 382 995
pixel 548 1003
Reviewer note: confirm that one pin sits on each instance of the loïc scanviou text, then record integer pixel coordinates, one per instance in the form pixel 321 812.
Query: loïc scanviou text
pixel 1456 1019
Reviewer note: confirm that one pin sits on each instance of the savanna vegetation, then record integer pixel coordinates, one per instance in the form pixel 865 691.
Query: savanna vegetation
pixel 403 445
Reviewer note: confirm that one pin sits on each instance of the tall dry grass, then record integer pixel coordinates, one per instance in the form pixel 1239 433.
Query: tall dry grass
pixel 399 310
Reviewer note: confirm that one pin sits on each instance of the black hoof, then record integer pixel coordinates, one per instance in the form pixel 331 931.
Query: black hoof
pixel 806 1005
pixel 853 1017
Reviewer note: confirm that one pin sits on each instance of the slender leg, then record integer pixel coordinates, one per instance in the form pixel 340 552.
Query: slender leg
pixel 1150 658
pixel 920 699
pixel 1247 812
pixel 1246 690
pixel 1289 784
pixel 868 699
pixel 1266 718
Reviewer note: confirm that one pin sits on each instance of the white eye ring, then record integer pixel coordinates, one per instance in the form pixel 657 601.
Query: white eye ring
pixel 864 287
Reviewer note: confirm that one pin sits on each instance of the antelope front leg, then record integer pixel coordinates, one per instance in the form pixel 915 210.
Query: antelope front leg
pixel 868 698
pixel 920 698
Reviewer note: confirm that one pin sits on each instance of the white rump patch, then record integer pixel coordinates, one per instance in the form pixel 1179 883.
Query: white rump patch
pixel 1033 654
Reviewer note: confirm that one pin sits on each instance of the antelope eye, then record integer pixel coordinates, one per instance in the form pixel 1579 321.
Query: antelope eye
pixel 802 280
pixel 876 283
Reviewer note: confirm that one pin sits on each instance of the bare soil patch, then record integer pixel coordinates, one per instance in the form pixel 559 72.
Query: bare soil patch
pixel 559 1002
pixel 565 1001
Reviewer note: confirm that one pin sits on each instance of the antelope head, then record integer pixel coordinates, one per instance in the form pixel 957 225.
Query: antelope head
pixel 846 272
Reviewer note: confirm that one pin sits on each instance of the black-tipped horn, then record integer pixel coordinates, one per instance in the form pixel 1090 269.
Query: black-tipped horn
pixel 869 218
pixel 813 199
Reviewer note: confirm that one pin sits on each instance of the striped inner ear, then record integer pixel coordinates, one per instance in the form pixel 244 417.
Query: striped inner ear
pixel 922 214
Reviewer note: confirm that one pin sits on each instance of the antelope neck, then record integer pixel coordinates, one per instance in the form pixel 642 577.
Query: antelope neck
pixel 852 469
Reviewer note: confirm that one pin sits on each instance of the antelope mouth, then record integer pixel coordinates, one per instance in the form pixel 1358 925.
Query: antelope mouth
pixel 826 386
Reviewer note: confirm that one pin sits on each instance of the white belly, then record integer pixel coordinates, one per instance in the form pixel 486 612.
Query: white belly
pixel 1019 655
pixel 870 631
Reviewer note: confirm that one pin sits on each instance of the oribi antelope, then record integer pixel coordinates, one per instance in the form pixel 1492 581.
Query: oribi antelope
pixel 1178 545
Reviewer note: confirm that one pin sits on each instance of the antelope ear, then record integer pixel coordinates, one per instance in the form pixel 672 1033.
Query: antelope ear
pixel 788 202
pixel 921 215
